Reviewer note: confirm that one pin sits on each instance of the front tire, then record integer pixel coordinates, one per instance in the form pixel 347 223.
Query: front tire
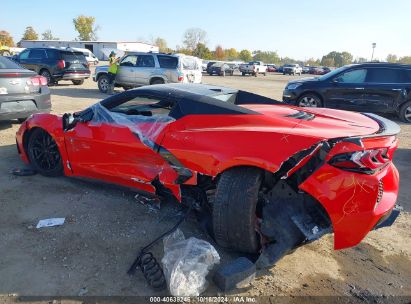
pixel 405 112
pixel 44 154
pixel 78 82
pixel 309 101
pixel 234 209
pixel 103 83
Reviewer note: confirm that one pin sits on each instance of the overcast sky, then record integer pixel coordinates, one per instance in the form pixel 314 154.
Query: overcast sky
pixel 298 29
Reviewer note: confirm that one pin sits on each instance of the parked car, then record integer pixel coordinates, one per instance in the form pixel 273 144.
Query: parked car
pixel 292 69
pixel 22 92
pixel 369 87
pixel 280 69
pixel 216 149
pixel 317 71
pixel 306 69
pixel 139 69
pixel 221 69
pixel 326 70
pixel 253 68
pixel 55 64
pixel 209 64
pixel 204 65
pixel 90 57
pixel 312 69
pixel 271 68
pixel 234 66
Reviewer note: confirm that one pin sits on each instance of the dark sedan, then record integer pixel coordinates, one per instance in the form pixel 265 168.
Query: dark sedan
pixel 221 68
pixel 369 87
pixel 22 92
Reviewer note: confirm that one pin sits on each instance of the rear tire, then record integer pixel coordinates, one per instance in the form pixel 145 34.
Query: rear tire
pixel 243 73
pixel 405 112
pixel 103 83
pixel 234 209
pixel 46 74
pixel 44 154
pixel 78 82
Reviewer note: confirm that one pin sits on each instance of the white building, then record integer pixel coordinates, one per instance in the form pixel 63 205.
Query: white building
pixel 99 48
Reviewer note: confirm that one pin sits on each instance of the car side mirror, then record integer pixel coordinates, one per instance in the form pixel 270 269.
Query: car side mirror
pixel 335 80
pixel 69 121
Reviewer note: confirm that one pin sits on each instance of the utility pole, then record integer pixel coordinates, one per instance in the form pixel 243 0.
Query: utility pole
pixel 373 48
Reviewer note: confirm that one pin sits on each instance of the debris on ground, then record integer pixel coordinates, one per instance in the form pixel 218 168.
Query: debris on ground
pixel 23 172
pixel 238 273
pixel 83 291
pixel 58 221
pixel 186 263
pixel 153 203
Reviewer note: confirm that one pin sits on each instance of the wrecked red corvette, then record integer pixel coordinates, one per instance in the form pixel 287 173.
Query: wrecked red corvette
pixel 270 176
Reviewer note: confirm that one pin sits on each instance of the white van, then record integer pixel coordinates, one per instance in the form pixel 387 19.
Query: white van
pixel 91 58
pixel 191 67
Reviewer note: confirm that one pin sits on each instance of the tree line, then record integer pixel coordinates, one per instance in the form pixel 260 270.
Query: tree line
pixel 194 43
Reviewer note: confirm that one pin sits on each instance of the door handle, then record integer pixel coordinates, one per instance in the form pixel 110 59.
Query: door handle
pixel 359 88
pixel 397 89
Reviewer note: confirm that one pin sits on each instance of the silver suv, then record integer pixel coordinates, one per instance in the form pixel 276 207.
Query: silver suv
pixel 138 69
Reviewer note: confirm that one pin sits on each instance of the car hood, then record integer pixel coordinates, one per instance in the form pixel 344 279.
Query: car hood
pixel 102 68
pixel 317 122
pixel 303 80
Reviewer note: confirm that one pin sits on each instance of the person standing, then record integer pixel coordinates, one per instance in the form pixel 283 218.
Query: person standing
pixel 112 71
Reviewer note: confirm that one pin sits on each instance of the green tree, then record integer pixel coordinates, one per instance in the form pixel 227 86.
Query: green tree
pixel 405 60
pixel 312 62
pixel 328 61
pixel 337 59
pixel 245 55
pixel 267 57
pixel 286 60
pixel 231 54
pixel 6 39
pixel 30 34
pixel 346 58
pixel 201 51
pixel 219 53
pixel 392 58
pixel 162 45
pixel 194 36
pixel 84 25
pixel 47 35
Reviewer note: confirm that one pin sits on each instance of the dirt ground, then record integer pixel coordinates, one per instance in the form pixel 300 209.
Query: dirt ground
pixel 105 226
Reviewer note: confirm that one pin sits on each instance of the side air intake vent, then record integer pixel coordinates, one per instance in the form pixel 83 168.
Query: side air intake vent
pixel 302 115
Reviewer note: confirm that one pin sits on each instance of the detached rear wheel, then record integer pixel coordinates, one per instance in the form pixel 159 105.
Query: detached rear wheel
pixel 405 112
pixel 234 209
pixel 44 154
pixel 309 101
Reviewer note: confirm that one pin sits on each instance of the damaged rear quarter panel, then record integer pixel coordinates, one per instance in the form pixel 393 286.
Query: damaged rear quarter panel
pixel 212 144
pixel 350 198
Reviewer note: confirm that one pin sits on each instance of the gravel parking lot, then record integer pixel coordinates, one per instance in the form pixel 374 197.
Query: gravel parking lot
pixel 106 225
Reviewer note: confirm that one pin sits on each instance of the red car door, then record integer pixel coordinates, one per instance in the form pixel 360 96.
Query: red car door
pixel 115 152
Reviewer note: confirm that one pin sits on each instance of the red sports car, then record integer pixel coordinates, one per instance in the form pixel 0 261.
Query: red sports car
pixel 270 176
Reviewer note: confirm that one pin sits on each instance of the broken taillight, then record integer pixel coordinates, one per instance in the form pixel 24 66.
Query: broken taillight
pixel 368 161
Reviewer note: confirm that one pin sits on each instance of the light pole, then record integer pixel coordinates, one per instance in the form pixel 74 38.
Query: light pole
pixel 373 48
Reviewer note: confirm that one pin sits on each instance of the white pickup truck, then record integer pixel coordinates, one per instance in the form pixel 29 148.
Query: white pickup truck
pixel 253 68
